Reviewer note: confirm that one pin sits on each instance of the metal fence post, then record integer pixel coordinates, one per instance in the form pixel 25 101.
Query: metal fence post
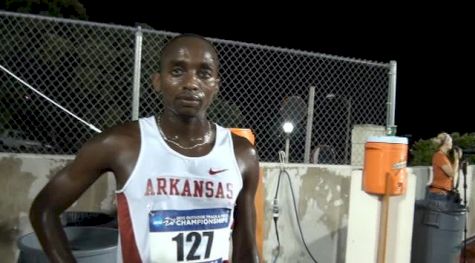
pixel 308 134
pixel 391 111
pixel 349 124
pixel 137 67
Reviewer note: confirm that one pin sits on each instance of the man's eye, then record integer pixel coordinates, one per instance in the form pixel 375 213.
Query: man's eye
pixel 206 74
pixel 176 71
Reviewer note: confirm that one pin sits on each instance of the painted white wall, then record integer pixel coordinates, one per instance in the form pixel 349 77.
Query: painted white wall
pixel 400 223
pixel 364 221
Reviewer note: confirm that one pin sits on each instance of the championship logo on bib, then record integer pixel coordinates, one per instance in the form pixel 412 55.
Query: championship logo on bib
pixel 199 235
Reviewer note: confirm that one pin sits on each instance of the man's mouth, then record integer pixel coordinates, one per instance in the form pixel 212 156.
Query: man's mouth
pixel 189 100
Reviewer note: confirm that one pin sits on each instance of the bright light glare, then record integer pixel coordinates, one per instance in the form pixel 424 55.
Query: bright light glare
pixel 288 127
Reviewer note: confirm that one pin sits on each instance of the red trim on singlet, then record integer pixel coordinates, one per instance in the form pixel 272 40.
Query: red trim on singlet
pixel 130 253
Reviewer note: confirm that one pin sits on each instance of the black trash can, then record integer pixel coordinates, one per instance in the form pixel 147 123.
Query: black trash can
pixel 84 218
pixel 437 231
pixel 88 244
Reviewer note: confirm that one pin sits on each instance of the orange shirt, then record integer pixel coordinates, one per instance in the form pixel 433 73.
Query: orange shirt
pixel 440 179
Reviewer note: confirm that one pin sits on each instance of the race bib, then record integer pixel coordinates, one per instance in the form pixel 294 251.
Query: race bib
pixel 199 235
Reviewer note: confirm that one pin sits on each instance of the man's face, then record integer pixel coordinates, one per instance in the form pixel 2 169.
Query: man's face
pixel 189 77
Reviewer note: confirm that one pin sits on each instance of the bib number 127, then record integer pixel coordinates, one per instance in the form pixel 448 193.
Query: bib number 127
pixel 195 238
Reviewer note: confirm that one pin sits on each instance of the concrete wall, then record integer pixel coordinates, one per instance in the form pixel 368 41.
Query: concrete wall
pixel 340 221
pixel 22 176
pixel 322 200
pixel 329 200
pixel 359 135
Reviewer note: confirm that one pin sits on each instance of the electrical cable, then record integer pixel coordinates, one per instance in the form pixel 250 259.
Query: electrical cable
pixel 92 127
pixel 276 210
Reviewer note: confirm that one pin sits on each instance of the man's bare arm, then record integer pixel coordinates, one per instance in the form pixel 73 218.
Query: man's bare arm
pixel 244 238
pixel 95 158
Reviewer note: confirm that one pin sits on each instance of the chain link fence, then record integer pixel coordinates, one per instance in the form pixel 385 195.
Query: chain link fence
pixel 91 70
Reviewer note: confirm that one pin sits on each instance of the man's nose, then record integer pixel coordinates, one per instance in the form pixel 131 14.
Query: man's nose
pixel 192 81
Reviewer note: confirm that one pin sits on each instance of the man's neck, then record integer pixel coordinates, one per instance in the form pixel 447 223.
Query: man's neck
pixel 190 127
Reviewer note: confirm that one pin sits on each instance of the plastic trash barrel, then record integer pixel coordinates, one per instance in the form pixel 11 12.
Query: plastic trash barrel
pixel 89 245
pixel 385 155
pixel 437 231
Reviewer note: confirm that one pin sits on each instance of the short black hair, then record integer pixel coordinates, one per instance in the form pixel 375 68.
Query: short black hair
pixel 187 35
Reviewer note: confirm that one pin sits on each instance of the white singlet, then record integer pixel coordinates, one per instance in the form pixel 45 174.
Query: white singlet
pixel 175 208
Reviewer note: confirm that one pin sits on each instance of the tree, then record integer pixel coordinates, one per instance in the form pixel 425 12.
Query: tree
pixel 57 8
pixel 80 67
pixel 225 113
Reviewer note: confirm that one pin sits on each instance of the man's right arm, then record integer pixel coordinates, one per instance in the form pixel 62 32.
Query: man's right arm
pixel 64 189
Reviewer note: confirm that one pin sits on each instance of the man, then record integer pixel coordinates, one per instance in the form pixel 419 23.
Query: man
pixel 182 181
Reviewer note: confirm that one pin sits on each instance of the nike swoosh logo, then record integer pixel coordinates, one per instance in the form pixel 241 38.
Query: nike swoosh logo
pixel 214 172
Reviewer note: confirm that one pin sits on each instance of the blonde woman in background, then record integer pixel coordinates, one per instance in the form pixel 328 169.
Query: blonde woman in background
pixel 444 170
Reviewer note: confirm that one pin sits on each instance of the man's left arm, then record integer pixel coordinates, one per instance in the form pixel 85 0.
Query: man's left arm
pixel 244 232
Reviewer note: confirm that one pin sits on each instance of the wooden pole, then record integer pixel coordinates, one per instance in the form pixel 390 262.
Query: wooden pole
pixel 383 222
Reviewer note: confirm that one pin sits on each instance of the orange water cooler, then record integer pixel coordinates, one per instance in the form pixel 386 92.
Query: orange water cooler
pixel 384 173
pixel 246 133
pixel 384 170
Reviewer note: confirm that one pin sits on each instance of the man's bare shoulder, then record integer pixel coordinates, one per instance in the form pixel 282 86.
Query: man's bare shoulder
pixel 245 153
pixel 119 137
pixel 242 146
pixel 123 133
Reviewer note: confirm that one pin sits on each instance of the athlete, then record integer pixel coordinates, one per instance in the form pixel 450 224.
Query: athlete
pixel 185 185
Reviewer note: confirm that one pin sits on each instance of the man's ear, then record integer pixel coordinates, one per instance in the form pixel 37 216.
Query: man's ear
pixel 156 81
pixel 217 85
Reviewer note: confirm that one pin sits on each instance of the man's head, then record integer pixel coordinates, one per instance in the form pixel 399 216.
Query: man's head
pixel 172 41
pixel 188 78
